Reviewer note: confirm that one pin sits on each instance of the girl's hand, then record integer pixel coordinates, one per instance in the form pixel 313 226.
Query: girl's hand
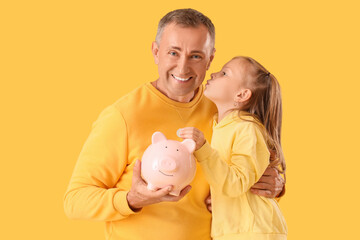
pixel 192 133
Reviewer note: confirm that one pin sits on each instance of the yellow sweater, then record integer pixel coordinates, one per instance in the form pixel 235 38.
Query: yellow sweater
pixel 237 160
pixel 103 172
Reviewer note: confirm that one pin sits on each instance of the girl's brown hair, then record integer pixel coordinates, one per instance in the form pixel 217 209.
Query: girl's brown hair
pixel 265 105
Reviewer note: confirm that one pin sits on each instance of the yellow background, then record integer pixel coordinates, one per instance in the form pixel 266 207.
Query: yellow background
pixel 62 62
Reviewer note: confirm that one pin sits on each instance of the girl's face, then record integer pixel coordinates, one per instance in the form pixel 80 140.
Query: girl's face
pixel 224 86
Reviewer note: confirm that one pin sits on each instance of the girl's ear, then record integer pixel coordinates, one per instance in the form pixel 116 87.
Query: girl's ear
pixel 243 95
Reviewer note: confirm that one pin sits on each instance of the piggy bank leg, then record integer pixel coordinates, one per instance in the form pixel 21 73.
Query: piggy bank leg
pixel 175 192
pixel 151 187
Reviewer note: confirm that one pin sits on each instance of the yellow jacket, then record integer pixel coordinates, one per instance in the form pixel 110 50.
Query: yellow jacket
pixel 236 159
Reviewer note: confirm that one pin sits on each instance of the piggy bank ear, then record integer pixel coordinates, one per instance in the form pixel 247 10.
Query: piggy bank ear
pixel 158 137
pixel 189 144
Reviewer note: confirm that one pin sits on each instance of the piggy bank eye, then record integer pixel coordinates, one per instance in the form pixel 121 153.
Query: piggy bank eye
pixel 177 149
pixel 165 146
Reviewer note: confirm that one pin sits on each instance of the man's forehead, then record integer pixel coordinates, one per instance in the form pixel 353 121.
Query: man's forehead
pixel 176 35
pixel 174 28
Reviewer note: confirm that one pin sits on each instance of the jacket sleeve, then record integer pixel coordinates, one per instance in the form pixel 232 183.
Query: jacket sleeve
pixel 249 157
pixel 92 192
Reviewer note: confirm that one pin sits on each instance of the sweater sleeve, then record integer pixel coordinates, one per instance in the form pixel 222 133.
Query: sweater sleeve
pixel 92 192
pixel 248 161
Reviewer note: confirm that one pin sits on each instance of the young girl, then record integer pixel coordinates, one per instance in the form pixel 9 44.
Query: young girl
pixel 247 129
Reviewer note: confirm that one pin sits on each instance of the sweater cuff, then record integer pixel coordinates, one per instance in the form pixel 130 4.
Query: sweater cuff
pixel 203 153
pixel 121 204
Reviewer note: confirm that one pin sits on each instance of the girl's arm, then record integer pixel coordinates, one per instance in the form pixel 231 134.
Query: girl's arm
pixel 249 158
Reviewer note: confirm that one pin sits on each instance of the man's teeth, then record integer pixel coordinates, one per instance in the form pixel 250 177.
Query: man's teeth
pixel 181 79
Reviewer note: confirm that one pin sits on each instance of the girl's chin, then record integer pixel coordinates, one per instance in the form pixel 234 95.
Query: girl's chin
pixel 207 95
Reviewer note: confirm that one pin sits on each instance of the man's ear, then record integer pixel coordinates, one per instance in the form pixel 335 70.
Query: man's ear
pixel 243 95
pixel 211 58
pixel 155 51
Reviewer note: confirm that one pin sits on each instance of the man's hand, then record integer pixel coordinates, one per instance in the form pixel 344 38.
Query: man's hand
pixel 139 196
pixel 208 203
pixel 270 184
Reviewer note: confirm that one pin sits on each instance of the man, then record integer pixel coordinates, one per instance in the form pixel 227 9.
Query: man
pixel 106 184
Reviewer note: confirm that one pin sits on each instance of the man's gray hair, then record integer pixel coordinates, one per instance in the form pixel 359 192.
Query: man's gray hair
pixel 188 18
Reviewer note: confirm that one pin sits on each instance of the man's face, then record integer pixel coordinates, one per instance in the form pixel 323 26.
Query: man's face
pixel 183 56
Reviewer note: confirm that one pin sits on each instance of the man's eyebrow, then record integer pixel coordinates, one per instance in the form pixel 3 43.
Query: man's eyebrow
pixel 197 51
pixel 194 51
pixel 176 48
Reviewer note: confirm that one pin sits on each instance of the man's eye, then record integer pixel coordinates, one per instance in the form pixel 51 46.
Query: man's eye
pixel 196 57
pixel 172 53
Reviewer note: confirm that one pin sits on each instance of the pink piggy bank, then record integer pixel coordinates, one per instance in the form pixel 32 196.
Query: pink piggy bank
pixel 168 162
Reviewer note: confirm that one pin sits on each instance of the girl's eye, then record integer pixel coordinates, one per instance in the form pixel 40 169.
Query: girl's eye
pixel 224 73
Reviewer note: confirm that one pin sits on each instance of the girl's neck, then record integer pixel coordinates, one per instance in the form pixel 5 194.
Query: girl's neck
pixel 224 111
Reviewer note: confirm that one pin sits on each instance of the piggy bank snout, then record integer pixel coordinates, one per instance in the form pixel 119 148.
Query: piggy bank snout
pixel 167 165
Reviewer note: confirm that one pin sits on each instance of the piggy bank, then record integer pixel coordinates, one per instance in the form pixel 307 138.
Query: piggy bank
pixel 168 162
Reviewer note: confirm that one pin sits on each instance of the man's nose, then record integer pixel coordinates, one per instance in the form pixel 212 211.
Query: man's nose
pixel 183 65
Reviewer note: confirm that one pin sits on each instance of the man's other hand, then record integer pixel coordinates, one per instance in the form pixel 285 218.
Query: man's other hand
pixel 270 185
pixel 208 203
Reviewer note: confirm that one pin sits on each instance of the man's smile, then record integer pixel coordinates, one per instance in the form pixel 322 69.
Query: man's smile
pixel 181 79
